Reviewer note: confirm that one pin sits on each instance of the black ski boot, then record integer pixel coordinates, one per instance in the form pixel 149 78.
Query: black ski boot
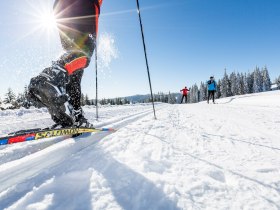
pixel 81 121
pixel 49 88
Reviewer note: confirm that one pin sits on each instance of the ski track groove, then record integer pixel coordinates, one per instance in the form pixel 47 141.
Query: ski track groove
pixel 35 146
pixel 21 176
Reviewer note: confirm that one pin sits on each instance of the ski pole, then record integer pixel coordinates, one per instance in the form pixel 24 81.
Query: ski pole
pixel 96 80
pixel 147 65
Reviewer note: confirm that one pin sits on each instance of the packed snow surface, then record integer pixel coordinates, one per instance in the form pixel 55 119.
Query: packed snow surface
pixel 194 156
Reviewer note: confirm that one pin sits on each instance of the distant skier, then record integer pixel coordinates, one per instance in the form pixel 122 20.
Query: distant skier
pixel 185 94
pixel 212 87
pixel 59 86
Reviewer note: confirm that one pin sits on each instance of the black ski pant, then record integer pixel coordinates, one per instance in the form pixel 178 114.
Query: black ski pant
pixel 211 93
pixel 184 96
pixel 77 21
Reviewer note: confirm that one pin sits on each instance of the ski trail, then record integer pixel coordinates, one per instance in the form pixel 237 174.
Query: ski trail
pixel 194 156
pixel 15 172
pixel 137 192
pixel 17 151
pixel 238 148
pixel 195 152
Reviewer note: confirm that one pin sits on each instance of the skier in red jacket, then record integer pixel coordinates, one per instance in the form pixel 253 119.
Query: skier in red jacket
pixel 185 93
pixel 59 86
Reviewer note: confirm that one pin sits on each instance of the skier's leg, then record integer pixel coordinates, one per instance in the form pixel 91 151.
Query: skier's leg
pixel 77 23
pixel 213 94
pixel 208 97
pixel 73 88
pixel 182 99
pixel 78 26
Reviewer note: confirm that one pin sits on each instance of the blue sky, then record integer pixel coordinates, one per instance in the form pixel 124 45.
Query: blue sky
pixel 187 40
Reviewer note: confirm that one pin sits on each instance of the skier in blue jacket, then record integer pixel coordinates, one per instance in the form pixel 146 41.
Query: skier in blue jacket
pixel 212 87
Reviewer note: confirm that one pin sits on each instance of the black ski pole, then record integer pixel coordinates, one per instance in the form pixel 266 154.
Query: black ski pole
pixel 96 80
pixel 144 45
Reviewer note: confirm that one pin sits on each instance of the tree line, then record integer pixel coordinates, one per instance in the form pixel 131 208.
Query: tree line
pixel 231 84
pixel 235 83
pixel 13 101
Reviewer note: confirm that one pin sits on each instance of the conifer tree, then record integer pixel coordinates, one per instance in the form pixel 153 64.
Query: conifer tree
pixel 240 84
pixel 218 93
pixel 202 92
pixel 194 94
pixel 82 99
pixel 258 83
pixel 251 82
pixel 20 99
pixel 246 85
pixel 234 85
pixel 87 101
pixel 225 86
pixel 10 97
pixel 266 82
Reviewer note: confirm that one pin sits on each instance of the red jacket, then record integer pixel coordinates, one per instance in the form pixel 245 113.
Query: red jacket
pixel 185 91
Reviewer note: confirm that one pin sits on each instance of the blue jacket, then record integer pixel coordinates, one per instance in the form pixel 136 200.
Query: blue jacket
pixel 212 85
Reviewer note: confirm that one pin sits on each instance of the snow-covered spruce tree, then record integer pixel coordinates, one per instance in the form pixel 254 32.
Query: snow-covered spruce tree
pixel 218 92
pixel 26 101
pixel 234 85
pixel 170 100
pixel 202 92
pixel 87 101
pixel 240 83
pixel 20 99
pixel 10 97
pixel 156 97
pixel 194 94
pixel 258 81
pixel 189 96
pixel 246 85
pixel 225 86
pixel 125 101
pixel 251 82
pixel 165 98
pixel 266 82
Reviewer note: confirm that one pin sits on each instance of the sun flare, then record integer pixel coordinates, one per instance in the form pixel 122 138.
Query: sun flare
pixel 48 21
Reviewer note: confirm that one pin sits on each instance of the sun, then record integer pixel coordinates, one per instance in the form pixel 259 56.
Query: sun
pixel 47 20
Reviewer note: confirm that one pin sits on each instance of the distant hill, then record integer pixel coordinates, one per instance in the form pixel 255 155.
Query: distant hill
pixel 137 98
pixel 141 98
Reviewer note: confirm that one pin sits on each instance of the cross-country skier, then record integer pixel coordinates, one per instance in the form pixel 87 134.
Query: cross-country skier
pixel 212 87
pixel 59 86
pixel 185 93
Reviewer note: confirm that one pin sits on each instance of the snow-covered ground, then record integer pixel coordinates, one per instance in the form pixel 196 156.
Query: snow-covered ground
pixel 194 156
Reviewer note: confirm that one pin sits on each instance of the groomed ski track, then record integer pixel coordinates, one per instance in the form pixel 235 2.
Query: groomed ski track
pixel 18 150
pixel 24 163
pixel 194 156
